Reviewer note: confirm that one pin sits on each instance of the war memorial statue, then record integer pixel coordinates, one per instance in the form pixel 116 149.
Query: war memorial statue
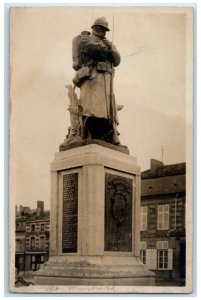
pixel 94 115
pixel 95 182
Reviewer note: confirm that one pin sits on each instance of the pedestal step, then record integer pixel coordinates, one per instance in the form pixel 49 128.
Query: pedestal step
pixel 126 271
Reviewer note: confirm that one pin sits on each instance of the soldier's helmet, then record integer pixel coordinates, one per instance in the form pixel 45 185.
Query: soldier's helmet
pixel 101 22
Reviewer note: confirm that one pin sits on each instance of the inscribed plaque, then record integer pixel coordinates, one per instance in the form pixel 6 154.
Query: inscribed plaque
pixel 70 213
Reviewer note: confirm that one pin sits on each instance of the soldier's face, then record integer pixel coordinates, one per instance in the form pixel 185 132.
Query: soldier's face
pixel 100 30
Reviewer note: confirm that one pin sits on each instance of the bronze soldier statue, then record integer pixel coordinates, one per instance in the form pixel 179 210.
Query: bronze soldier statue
pixel 94 59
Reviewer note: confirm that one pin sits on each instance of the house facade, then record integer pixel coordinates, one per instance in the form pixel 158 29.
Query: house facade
pixel 20 243
pixel 163 199
pixel 36 242
pixel 32 238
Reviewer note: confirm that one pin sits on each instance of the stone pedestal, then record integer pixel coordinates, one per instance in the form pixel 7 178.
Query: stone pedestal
pixel 95 219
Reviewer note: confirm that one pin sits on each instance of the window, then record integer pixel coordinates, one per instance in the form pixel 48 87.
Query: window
pixel 162 259
pixel 32 227
pixel 143 218
pixel 164 256
pixel 143 246
pixel 163 217
pixel 42 227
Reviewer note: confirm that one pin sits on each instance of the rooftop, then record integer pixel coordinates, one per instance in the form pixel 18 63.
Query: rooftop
pixel 158 169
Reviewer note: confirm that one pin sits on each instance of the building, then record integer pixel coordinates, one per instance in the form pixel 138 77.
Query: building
pixel 20 242
pixel 36 242
pixel 32 237
pixel 163 195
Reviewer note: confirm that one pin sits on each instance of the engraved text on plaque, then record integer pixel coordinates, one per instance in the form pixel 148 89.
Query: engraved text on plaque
pixel 70 213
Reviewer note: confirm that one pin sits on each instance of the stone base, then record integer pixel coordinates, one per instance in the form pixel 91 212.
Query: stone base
pixel 95 219
pixel 94 271
pixel 67 146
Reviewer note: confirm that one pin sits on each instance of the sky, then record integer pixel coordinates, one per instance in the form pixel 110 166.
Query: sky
pixel 152 82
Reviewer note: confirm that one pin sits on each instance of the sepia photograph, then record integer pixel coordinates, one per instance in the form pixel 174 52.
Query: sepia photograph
pixel 100 149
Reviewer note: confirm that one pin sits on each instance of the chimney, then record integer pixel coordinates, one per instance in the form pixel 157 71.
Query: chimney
pixel 40 208
pixel 38 212
pixel 155 164
pixel 21 208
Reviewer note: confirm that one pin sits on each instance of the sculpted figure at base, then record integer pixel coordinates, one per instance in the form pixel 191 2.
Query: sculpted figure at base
pixel 94 59
pixel 74 131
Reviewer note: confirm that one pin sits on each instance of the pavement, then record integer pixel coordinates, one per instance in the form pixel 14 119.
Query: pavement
pixel 170 282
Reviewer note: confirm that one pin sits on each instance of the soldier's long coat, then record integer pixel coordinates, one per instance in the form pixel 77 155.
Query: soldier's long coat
pixel 95 92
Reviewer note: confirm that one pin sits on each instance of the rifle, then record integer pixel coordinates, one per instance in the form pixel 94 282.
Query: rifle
pixel 113 111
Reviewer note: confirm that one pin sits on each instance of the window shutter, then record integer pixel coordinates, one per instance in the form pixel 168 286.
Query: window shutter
pixel 143 218
pixel 151 259
pixel 166 217
pixel 160 217
pixel 170 259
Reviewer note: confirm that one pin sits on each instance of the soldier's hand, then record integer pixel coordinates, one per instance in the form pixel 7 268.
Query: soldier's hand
pixel 107 43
